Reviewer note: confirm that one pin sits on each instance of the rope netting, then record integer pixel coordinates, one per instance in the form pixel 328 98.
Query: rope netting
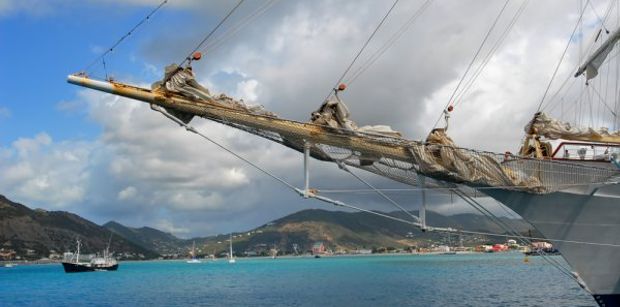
pixel 402 159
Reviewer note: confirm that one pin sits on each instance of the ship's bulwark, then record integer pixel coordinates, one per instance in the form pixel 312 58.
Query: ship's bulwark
pixel 587 214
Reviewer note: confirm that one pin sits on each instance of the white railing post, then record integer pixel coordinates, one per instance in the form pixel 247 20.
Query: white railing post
pixel 422 213
pixel 306 169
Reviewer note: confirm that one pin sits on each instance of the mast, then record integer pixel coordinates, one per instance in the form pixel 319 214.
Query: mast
pixel 231 251
pixel 77 257
pixel 106 253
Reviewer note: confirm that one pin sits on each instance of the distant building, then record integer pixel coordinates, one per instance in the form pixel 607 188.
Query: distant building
pixel 55 256
pixel 318 248
pixel 500 248
pixel 484 248
pixel 541 245
pixel 7 254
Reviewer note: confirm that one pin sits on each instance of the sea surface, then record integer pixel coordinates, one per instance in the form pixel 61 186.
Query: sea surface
pixel 410 280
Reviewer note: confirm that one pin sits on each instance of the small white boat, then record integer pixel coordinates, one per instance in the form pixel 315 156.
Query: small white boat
pixel 193 254
pixel 231 257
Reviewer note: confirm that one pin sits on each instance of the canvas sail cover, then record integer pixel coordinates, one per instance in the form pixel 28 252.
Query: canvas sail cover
pixel 551 128
pixel 334 113
pixel 441 157
pixel 182 80
pixel 592 64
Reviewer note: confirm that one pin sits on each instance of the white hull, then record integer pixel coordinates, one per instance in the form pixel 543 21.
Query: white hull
pixel 586 214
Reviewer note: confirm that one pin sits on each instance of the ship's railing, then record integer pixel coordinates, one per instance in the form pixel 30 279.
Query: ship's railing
pixel 403 160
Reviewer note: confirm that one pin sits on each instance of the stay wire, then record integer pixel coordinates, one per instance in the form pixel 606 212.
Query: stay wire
pixel 510 230
pixel 388 44
pixel 229 33
pixel 230 151
pixel 460 96
pixel 105 68
pixel 542 100
pixel 362 49
pixel 472 61
pixel 599 17
pixel 344 167
pixel 338 203
pixel 120 40
pixel 211 33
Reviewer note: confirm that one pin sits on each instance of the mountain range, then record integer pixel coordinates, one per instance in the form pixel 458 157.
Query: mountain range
pixel 33 234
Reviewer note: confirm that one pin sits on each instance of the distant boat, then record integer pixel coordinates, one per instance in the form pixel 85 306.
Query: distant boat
pixel 193 254
pixel 231 257
pixel 448 249
pixel 107 263
pixel 9 265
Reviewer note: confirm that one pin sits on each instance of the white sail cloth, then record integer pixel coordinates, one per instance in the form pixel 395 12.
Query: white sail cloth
pixel 592 64
pixel 551 128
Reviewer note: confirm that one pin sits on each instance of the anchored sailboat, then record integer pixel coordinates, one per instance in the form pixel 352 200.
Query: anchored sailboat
pixel 193 255
pixel 231 256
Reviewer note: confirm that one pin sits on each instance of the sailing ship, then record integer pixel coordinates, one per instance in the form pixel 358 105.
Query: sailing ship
pixel 105 263
pixel 231 256
pixel 570 193
pixel 448 249
pixel 193 255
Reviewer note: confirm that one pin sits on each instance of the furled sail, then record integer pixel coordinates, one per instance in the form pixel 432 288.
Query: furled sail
pixel 552 128
pixel 590 67
pixel 393 157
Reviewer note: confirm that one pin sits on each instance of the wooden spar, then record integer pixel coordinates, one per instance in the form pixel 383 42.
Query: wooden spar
pixel 212 110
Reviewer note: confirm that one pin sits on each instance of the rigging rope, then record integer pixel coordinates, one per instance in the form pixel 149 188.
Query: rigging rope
pixel 561 59
pixel 193 130
pixel 96 60
pixel 229 33
pixel 599 17
pixel 211 33
pixel 460 96
pixel 344 167
pixel 338 203
pixel 388 44
pixel 362 49
pixel 511 230
pixel 472 62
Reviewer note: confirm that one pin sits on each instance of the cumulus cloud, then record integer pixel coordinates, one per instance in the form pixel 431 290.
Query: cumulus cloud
pixel 167 226
pixel 38 170
pixel 127 193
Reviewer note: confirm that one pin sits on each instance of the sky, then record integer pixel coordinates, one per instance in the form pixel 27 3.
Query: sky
pixel 105 158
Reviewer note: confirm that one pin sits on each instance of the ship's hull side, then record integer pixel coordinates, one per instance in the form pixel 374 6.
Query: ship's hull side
pixel 587 214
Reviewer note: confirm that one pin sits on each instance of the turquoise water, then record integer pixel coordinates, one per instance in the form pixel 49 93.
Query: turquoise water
pixel 445 280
